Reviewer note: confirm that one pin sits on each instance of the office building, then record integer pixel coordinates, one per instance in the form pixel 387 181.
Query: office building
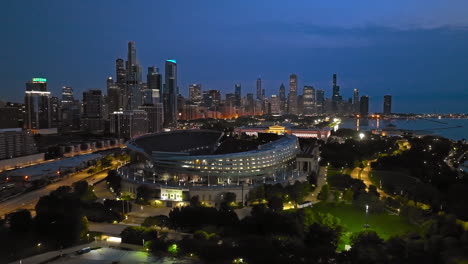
pixel 320 101
pixel 11 115
pixel 292 98
pixel 275 106
pixel 282 98
pixel 155 117
pixel 55 111
pixel 37 105
pixel 154 83
pixel 387 105
pixel 70 113
pixel 92 116
pixel 15 142
pixel 129 123
pixel 364 106
pixel 238 93
pixel 356 104
pixel 195 93
pixel 308 97
pixel 121 82
pixel 113 96
pixel 170 94
pixel 259 89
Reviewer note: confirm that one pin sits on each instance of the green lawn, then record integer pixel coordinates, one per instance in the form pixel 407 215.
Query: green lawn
pixel 353 220
pixel 333 171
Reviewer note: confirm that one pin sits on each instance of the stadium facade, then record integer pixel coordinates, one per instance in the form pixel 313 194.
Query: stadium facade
pixel 184 163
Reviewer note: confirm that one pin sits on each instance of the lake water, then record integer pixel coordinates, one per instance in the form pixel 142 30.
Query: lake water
pixel 451 128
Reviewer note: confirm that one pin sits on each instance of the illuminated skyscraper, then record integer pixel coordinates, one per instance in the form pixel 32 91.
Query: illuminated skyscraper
pixel 356 100
pixel 37 104
pixel 308 97
pixel 195 93
pixel 153 92
pixel 282 98
pixel 170 94
pixel 292 99
pixel 238 94
pixel 387 105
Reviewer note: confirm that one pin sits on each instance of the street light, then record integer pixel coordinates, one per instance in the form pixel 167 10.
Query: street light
pixel 361 136
pixel 367 217
pixel 88 237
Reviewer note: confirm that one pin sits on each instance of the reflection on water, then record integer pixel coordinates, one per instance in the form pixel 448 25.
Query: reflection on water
pixel 450 128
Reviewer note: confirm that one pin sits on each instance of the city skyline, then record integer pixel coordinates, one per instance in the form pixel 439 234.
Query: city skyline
pixel 371 53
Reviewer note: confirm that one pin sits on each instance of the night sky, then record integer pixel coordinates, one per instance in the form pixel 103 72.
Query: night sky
pixel 415 50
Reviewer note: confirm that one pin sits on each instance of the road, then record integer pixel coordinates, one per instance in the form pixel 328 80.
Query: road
pixel 321 180
pixel 363 174
pixel 29 200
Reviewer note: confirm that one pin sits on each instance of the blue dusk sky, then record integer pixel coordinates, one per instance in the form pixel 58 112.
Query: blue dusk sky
pixel 415 50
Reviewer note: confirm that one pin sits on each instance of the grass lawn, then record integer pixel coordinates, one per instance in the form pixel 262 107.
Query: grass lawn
pixel 333 171
pixel 353 220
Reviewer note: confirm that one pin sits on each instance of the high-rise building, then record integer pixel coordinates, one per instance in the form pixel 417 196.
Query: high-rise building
pixel 155 115
pixel 55 111
pixel 216 96
pixel 250 107
pixel 292 98
pixel 15 142
pixel 37 104
pixel 320 101
pixel 259 89
pixel 230 99
pixel 238 93
pixel 275 105
pixel 121 82
pixel 195 93
pixel 129 123
pixel 356 105
pixel 364 106
pixel 113 96
pixel 170 94
pixel 308 95
pixel 134 79
pixel 67 95
pixel 336 90
pixel 70 110
pixel 92 116
pixel 12 115
pixel 387 105
pixel 154 82
pixel 282 98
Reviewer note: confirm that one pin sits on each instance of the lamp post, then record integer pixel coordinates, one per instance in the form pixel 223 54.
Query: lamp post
pixel 361 136
pixel 367 217
pixel 88 237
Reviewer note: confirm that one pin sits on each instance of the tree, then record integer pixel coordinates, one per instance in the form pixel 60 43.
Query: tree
pixel 159 220
pixel 20 221
pixel 348 195
pixel 367 247
pixel 275 203
pixel 80 188
pixel 324 193
pixel 114 181
pixel 144 193
pixel 195 201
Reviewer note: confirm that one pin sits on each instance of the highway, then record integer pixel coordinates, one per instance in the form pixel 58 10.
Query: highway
pixel 29 200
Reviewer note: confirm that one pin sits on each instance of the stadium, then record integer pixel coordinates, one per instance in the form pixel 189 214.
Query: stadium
pixel 205 160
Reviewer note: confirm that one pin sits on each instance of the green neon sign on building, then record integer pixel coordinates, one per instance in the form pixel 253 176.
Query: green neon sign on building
pixel 39 80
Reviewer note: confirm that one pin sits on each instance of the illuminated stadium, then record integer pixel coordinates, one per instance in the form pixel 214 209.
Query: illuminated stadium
pixel 204 159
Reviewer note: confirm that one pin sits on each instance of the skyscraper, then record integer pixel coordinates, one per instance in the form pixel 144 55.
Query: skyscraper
pixel 336 90
pixel 195 93
pixel 37 104
pixel 387 105
pixel 154 82
pixel 320 101
pixel 134 93
pixel 113 96
pixel 92 116
pixel 282 98
pixel 364 106
pixel 67 94
pixel 292 98
pixel 275 105
pixel 308 96
pixel 55 111
pixel 356 100
pixel 238 94
pixel 259 89
pixel 121 82
pixel 170 94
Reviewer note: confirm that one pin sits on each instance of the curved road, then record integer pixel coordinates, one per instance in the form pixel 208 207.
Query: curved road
pixel 29 200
